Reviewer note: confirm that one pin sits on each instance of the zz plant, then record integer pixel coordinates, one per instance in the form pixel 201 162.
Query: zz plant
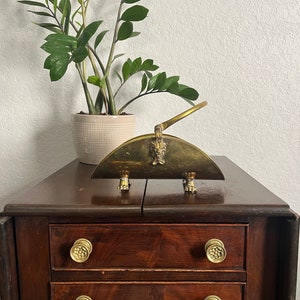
pixel 75 41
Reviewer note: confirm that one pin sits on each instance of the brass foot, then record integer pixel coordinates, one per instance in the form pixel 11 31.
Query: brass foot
pixel 124 184
pixel 188 182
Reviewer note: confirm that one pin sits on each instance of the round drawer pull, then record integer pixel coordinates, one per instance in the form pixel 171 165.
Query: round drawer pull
pixel 215 253
pixel 212 297
pixel 83 297
pixel 80 252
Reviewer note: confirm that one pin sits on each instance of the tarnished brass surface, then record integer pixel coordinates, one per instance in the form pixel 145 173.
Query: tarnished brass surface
pixel 81 250
pixel 135 156
pixel 159 156
pixel 215 251
pixel 212 297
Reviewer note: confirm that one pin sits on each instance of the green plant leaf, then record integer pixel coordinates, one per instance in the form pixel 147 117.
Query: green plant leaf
pixel 57 46
pixel 144 82
pixel 170 81
pixel 99 38
pixel 126 69
pixel 125 31
pixel 33 3
pixel 80 29
pixel 58 65
pixel 40 13
pixel 187 92
pixel 88 32
pixel 173 88
pixel 130 1
pixel 62 38
pixel 160 81
pixel 100 99
pixel 136 66
pixel 148 65
pixel 95 80
pixel 64 5
pixel 149 74
pixel 50 61
pixel 54 5
pixel 65 8
pixel 79 54
pixel 67 13
pixel 60 70
pixel 152 81
pixel 135 13
pixel 49 26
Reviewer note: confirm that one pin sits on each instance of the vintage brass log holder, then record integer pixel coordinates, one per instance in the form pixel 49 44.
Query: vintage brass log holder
pixel 159 156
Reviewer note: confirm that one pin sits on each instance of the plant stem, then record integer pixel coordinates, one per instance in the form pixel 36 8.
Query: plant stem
pixel 119 88
pixel 135 98
pixel 54 17
pixel 90 104
pixel 82 67
pixel 104 93
pixel 112 107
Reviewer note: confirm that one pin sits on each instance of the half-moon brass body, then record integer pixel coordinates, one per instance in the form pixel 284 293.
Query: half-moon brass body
pixel 136 156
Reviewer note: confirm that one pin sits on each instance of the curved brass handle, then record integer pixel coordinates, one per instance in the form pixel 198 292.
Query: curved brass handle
pixel 80 251
pixel 83 297
pixel 215 251
pixel 170 122
pixel 212 297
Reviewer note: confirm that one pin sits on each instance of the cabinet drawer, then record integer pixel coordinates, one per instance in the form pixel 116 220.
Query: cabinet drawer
pixel 157 246
pixel 146 291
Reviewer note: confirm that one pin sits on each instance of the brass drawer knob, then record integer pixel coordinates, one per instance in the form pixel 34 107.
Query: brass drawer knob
pixel 80 252
pixel 212 297
pixel 215 252
pixel 83 297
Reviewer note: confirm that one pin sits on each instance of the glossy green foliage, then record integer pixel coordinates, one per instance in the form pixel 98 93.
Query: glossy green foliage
pixel 70 42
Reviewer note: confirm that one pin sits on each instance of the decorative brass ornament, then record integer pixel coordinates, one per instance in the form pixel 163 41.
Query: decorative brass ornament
pixel 159 156
pixel 215 251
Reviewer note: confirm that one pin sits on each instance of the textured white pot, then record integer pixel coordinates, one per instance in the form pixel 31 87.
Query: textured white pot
pixel 95 136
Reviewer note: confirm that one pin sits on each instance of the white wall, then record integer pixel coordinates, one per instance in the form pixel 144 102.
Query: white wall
pixel 242 55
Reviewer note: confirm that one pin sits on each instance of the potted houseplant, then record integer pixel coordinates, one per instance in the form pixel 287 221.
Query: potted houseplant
pixel 75 40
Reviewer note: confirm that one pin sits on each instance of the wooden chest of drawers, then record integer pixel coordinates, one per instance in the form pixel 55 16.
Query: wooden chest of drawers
pixel 71 237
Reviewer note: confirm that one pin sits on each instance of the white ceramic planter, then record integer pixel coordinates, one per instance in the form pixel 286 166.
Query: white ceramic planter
pixel 95 136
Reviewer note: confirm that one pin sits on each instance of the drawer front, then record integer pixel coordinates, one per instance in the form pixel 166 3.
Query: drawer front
pixel 146 291
pixel 157 246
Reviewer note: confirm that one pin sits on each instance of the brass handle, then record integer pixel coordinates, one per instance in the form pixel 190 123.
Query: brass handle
pixel 215 251
pixel 212 297
pixel 80 252
pixel 179 117
pixel 83 297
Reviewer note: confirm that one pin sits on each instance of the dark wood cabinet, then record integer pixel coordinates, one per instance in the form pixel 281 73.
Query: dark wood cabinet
pixel 71 237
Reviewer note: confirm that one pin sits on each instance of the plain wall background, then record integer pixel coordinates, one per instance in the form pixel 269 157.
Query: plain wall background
pixel 243 56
